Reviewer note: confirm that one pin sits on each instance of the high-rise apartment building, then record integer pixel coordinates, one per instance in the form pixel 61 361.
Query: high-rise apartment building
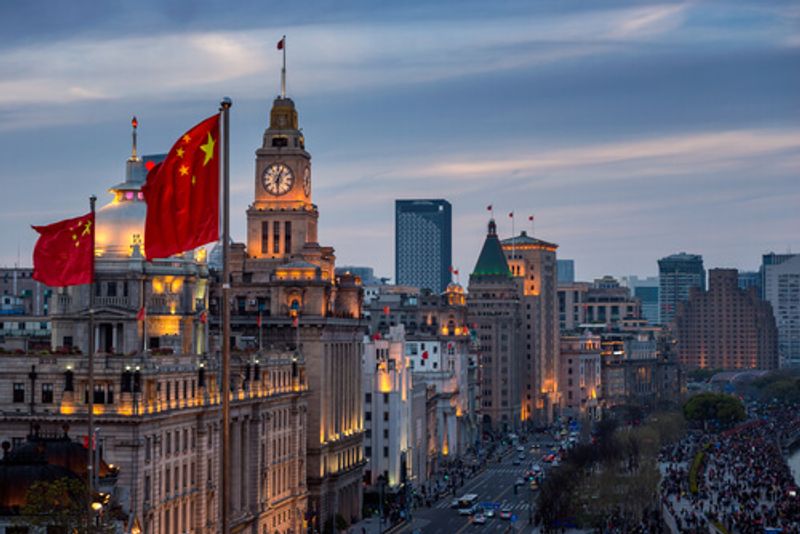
pixel 677 274
pixel 495 309
pixel 423 243
pixel 781 278
pixel 726 327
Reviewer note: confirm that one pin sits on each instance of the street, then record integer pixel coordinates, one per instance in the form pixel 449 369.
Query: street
pixel 494 484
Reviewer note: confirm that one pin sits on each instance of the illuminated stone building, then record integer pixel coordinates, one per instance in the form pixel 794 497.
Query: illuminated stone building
pixel 496 311
pixel 601 303
pixel 533 265
pixel 156 390
pixel 726 327
pixel 580 380
pixel 286 295
pixel 388 396
pixel 438 345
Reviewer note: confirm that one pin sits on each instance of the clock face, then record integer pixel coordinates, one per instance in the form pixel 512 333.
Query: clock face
pixel 307 181
pixel 278 179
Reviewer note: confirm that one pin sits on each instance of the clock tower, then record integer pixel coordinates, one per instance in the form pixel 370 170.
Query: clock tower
pixel 282 220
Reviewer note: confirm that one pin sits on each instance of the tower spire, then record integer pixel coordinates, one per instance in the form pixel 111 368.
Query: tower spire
pixel 134 125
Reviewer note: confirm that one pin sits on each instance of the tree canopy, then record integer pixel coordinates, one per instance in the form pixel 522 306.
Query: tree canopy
pixel 708 407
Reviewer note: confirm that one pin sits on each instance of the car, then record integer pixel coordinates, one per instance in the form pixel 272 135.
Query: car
pixel 479 519
pixel 516 461
pixel 520 449
pixel 520 481
pixel 468 511
pixel 489 513
pixel 455 503
pixel 536 468
pixel 505 512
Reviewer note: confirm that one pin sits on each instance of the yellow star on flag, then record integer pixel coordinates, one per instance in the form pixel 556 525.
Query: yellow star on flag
pixel 208 148
pixel 184 170
pixel 179 152
pixel 186 138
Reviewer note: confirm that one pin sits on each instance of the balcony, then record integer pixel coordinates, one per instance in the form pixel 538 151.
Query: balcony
pixel 118 302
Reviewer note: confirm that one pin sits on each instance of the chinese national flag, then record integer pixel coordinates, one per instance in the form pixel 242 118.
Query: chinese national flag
pixel 282 43
pixel 141 315
pixel 64 253
pixel 182 194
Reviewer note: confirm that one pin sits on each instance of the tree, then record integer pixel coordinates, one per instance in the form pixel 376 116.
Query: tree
pixel 65 504
pixel 707 407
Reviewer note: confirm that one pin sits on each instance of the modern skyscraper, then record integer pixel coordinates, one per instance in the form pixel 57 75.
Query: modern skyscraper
pixel 423 243
pixel 646 290
pixel 677 274
pixel 726 327
pixel 495 310
pixel 781 278
pixel 566 271
pixel 748 279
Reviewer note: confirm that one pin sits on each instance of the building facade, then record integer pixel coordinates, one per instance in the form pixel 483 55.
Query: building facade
pixel 781 277
pixel 496 314
pixel 156 389
pixel 566 271
pixel 726 327
pixel 287 296
pixel 533 266
pixel 423 243
pixel 388 397
pixel 580 377
pixel 677 274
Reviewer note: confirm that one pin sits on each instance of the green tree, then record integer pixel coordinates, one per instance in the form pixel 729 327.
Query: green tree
pixel 707 407
pixel 65 504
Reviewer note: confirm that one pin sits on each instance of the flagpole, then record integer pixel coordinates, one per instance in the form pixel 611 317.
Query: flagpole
pixel 512 239
pixel 283 70
pixel 90 405
pixel 225 107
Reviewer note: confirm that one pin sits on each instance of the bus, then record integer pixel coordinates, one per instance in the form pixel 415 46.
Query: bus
pixel 468 500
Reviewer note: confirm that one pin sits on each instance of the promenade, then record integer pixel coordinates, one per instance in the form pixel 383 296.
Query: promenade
pixel 743 483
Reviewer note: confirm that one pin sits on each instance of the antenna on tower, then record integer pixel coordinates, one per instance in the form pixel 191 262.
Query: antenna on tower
pixel 134 124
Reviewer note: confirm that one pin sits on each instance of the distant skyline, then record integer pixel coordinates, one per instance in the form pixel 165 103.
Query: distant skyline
pixel 632 130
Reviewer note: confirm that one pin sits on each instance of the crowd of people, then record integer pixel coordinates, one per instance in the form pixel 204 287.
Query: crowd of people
pixel 743 483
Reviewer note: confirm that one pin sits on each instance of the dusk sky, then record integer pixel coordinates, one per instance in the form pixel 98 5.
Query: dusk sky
pixel 631 130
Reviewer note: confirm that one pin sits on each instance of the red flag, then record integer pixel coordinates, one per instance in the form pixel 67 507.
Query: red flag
pixel 425 355
pixel 511 214
pixel 386 310
pixel 455 272
pixel 489 207
pixel 296 321
pixel 182 194
pixel 204 317
pixel 530 218
pixel 64 253
pixel 282 43
pixel 140 316
pixel 258 322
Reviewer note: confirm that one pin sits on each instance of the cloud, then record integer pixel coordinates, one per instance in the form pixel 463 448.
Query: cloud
pixel 336 56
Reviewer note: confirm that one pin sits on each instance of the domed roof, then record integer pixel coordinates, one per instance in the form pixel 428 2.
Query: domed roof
pixel 120 223
pixel 454 287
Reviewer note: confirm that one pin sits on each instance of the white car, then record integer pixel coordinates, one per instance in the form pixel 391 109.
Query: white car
pixel 479 519
pixel 467 511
